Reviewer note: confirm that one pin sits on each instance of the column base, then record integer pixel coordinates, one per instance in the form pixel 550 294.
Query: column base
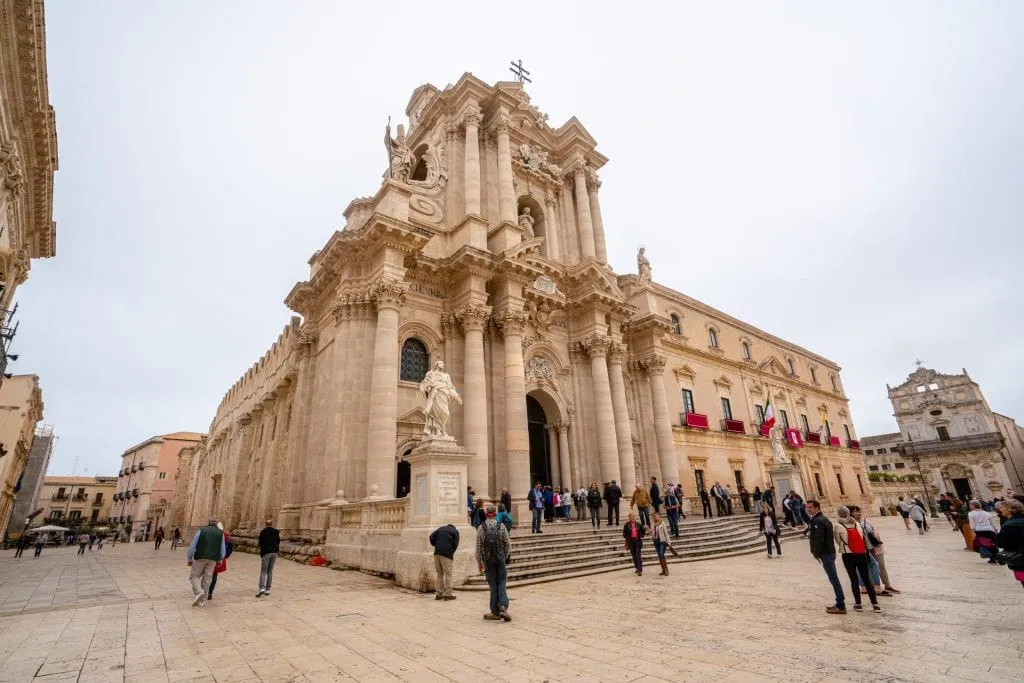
pixel 414 562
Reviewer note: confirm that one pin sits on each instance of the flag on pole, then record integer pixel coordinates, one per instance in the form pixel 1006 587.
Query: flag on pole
pixel 824 431
pixel 769 413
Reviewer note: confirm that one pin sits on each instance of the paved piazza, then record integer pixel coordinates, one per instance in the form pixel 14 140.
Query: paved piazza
pixel 124 614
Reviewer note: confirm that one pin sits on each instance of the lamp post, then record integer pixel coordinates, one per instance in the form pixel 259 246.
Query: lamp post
pixel 931 504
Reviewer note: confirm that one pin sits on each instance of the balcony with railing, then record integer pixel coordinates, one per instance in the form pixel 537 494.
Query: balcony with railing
pixel 80 497
pixel 694 420
pixel 733 426
pixel 60 496
pixel 975 442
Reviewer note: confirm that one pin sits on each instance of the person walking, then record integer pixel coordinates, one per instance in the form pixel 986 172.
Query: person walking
pixel 672 508
pixel 445 541
pixel 158 538
pixel 769 526
pixel 871 541
pixel 613 496
pixel 984 530
pixel 769 497
pixel 83 541
pixel 492 547
pixel 204 552
pixel 40 542
pixel 535 498
pixel 1011 535
pixel 579 499
pixel 916 513
pixel 21 545
pixel 757 499
pixel 549 510
pixel 506 500
pixel 659 536
pixel 594 504
pixel 633 534
pixel 904 509
pixel 476 518
pixel 944 506
pixel 566 504
pixel 745 499
pixel 641 500
pixel 679 495
pixel 823 548
pixel 270 545
pixel 705 502
pixel 221 566
pixel 850 542
pixel 655 494
pixel 175 538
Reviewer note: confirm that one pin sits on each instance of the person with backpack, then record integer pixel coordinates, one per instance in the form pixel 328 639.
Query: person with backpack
pixel 492 547
pixel 904 509
pixel 445 541
pixel 672 507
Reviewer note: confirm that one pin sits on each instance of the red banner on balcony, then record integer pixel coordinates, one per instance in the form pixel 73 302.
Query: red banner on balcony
pixel 833 441
pixel 697 420
pixel 795 438
pixel 855 444
pixel 766 431
pixel 734 426
pixel 813 437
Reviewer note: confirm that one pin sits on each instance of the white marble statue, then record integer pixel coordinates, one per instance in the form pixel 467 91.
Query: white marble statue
pixel 643 267
pixel 526 223
pixel 438 391
pixel 778 438
pixel 399 155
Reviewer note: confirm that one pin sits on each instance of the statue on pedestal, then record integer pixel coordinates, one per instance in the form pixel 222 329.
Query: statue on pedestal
pixel 438 391
pixel 778 437
pixel 643 267
pixel 526 223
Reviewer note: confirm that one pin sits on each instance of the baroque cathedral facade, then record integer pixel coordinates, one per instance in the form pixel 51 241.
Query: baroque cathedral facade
pixel 484 248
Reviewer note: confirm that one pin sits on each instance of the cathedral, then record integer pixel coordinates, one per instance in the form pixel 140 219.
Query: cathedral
pixel 484 248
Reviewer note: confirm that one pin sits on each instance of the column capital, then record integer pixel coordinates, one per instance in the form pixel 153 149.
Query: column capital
pixel 388 294
pixel 593 184
pixel 596 345
pixel 471 117
pixel 511 322
pixel 473 316
pixel 500 124
pixel 616 352
pixel 654 364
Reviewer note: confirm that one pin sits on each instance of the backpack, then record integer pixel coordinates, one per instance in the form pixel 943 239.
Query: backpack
pixel 493 549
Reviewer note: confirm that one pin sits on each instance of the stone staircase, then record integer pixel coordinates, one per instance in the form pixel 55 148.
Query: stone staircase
pixel 567 550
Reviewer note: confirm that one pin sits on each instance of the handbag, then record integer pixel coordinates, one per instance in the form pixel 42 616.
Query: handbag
pixel 1012 559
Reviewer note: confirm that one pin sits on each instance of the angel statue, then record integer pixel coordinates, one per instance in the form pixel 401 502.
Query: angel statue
pixel 438 391
pixel 779 454
pixel 526 222
pixel 400 157
pixel 643 267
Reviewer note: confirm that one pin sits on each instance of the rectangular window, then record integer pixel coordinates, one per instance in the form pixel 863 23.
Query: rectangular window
pixel 873 468
pixel 163 475
pixel 842 489
pixel 784 418
pixel 60 492
pixel 860 484
pixel 688 401
pixel 739 479
pixel 882 451
pixel 95 516
pixel 814 376
pixel 760 413
pixel 869 452
pixel 835 385
pixel 943 433
pixel 817 485
pixel 57 514
pixel 846 430
pixel 726 409
pixel 805 425
pixel 899 465
pixel 99 497
pixel 886 466
pixel 698 476
pixel 75 514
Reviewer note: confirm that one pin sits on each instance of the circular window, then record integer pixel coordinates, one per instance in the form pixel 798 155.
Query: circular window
pixel 935 412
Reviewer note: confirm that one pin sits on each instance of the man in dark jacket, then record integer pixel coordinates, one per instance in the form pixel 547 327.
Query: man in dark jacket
pixel 204 552
pixel 270 544
pixel 823 547
pixel 655 495
pixel 705 502
pixel 612 496
pixel 445 540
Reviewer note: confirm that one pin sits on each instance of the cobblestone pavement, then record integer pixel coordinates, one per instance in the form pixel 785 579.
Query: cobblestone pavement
pixel 124 614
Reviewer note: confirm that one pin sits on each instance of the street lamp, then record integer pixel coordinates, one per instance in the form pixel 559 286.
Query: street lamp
pixel 931 504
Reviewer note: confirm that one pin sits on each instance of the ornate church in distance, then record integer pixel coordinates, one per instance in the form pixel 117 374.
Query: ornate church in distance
pixel 485 248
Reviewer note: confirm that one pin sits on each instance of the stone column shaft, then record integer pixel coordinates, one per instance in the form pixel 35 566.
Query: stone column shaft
pixel 662 422
pixel 600 249
pixel 380 457
pixel 556 469
pixel 623 438
pixel 563 451
pixel 472 164
pixel 506 186
pixel 517 436
pixel 475 400
pixel 607 449
pixel 585 224
pixel 551 235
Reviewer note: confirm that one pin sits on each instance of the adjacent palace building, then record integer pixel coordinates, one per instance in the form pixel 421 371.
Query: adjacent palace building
pixel 485 249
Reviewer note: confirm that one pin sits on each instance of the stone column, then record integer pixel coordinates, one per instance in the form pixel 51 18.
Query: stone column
pixel 586 226
pixel 551 229
pixel 506 186
pixel 563 451
pixel 517 436
pixel 556 469
pixel 623 438
pixel 471 187
pixel 474 398
pixel 655 367
pixel 607 450
pixel 388 296
pixel 593 184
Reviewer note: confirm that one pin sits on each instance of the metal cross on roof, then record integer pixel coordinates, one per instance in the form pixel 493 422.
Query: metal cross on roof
pixel 522 75
pixel 918 362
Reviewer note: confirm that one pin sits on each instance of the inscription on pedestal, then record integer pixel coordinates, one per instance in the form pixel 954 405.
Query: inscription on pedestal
pixel 422 494
pixel 449 495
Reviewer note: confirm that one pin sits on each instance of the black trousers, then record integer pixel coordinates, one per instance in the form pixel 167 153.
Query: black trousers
pixel 613 510
pixel 857 563
pixel 706 504
pixel 636 551
pixel 768 541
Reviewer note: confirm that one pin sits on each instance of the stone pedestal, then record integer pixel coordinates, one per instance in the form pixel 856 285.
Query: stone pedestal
pixel 786 478
pixel 439 476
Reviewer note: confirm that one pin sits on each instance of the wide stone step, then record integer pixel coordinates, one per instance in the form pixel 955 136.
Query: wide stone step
pixel 580 540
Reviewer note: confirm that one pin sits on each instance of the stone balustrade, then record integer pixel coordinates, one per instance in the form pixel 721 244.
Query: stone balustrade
pixel 378 516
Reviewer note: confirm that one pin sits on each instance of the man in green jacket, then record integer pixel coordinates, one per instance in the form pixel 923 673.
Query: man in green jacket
pixel 205 551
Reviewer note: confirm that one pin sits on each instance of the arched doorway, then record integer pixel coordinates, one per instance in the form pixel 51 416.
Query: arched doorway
pixel 540 447
pixel 403 476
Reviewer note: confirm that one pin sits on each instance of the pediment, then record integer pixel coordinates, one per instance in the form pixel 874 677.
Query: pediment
pixel 801 400
pixel 416 416
pixel 684 372
pixel 774 366
pixel 723 382
pixel 757 390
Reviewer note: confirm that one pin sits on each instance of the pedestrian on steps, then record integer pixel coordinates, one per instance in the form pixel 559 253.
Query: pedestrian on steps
pixel 641 500
pixel 594 503
pixel 672 507
pixel 612 496
pixel 659 535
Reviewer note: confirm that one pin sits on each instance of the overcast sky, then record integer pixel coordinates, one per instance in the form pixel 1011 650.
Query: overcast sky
pixel 847 177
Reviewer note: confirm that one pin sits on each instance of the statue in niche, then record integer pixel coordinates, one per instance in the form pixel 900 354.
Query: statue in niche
pixel 438 391
pixel 526 222
pixel 643 267
pixel 400 157
pixel 778 436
